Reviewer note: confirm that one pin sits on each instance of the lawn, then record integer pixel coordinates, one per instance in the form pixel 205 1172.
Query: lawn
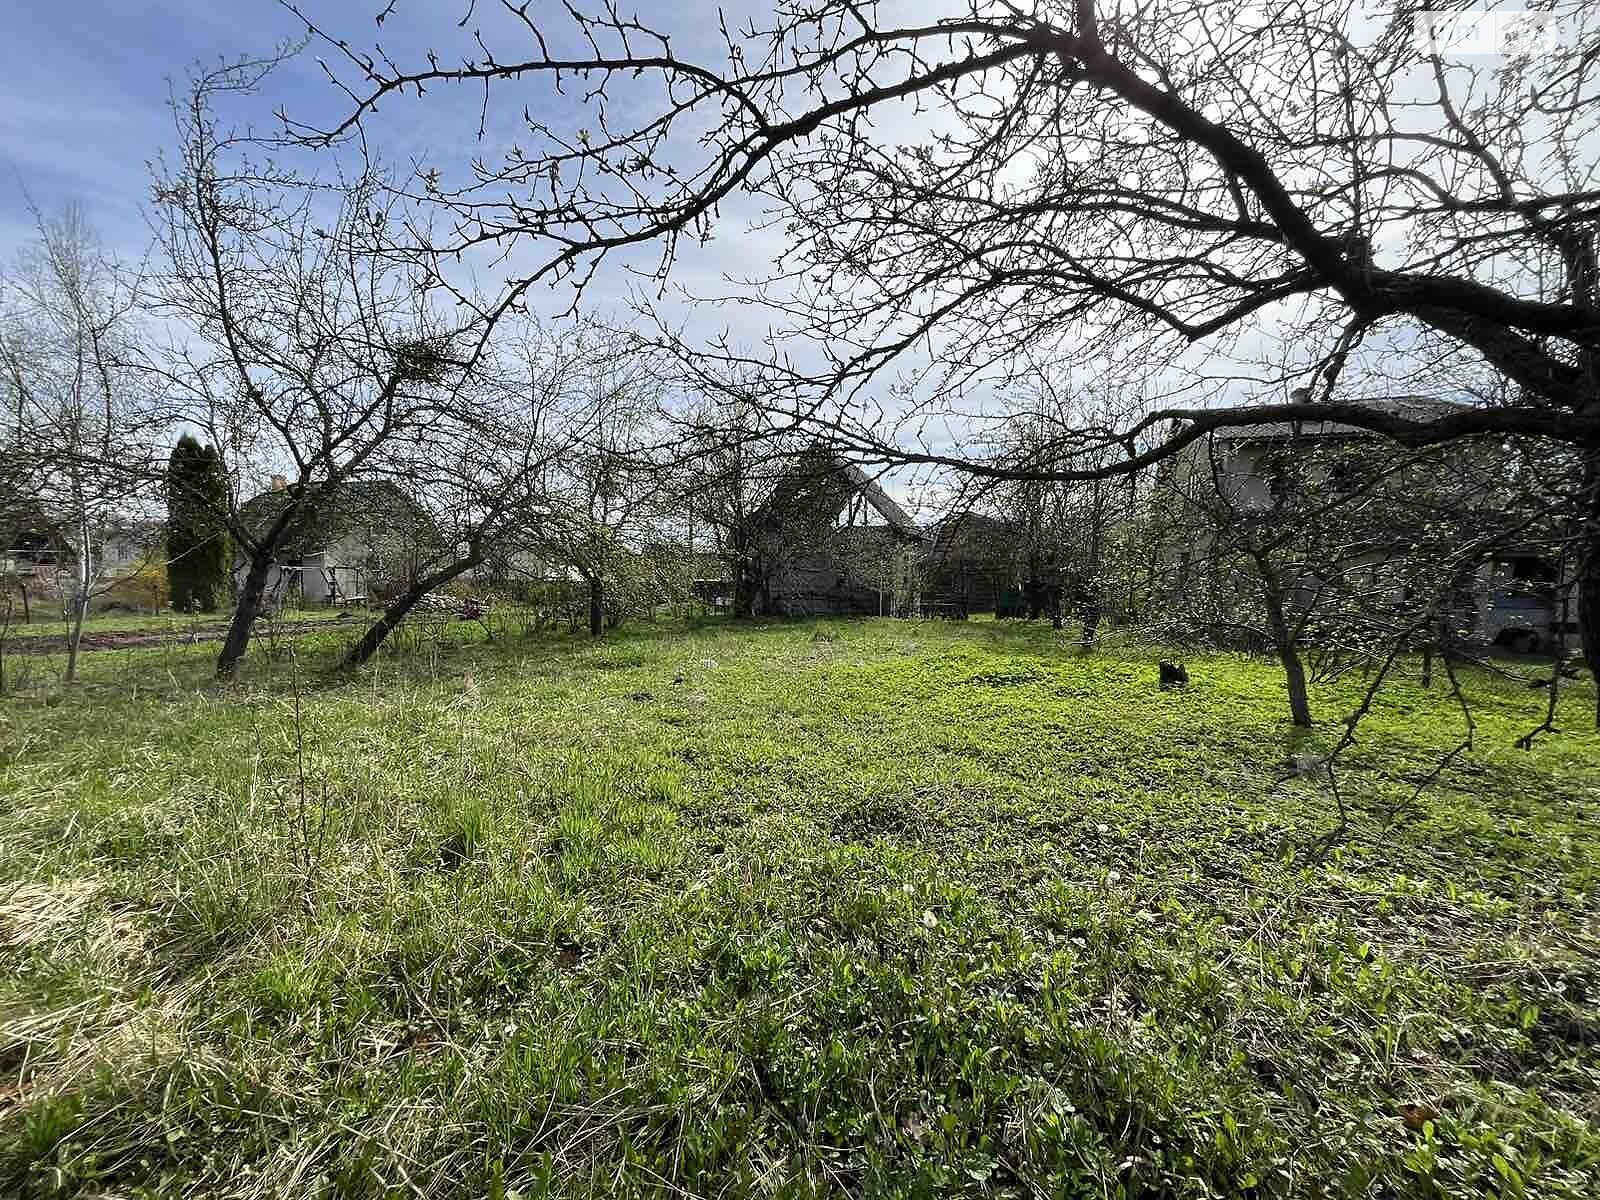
pixel 828 908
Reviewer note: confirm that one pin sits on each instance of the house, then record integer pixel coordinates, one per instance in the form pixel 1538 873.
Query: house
pixel 973 563
pixel 41 556
pixel 1514 598
pixel 130 548
pixel 710 581
pixel 832 541
pixel 367 539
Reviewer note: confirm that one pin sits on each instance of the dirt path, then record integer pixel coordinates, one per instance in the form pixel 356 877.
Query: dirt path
pixel 131 639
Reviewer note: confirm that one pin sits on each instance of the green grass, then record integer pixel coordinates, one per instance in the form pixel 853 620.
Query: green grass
pixel 871 908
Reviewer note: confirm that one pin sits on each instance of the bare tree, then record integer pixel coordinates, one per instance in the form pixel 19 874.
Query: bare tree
pixel 1333 550
pixel 736 459
pixel 1131 180
pixel 605 495
pixel 75 423
pixel 309 340
pixel 480 471
pixel 1065 524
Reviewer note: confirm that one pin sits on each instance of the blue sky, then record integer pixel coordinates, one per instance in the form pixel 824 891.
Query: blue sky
pixel 83 110
pixel 83 103
pixel 86 83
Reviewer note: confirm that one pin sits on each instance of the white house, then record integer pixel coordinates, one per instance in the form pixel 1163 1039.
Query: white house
pixel 367 540
pixel 1517 602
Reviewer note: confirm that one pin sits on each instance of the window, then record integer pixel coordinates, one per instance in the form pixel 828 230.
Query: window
pixel 1277 471
pixel 1342 477
pixel 1531 570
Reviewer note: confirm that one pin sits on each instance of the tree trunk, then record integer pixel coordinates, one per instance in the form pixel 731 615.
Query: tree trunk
pixel 1294 674
pixel 1093 607
pixel 244 618
pixel 400 607
pixel 744 589
pixel 1094 586
pixel 5 633
pixel 1587 584
pixel 1294 671
pixel 596 607
pixel 80 607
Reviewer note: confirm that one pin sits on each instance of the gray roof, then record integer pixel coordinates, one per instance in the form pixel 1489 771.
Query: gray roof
pixel 967 523
pixel 880 500
pixel 819 484
pixel 1411 408
pixel 356 505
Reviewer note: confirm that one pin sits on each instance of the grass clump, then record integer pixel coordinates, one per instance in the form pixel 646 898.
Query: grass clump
pixel 804 909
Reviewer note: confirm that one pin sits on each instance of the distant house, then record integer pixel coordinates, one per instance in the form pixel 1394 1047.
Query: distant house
pixel 834 542
pixel 43 555
pixel 710 581
pixel 973 563
pixel 365 541
pixel 129 548
pixel 518 563
pixel 33 550
pixel 1516 598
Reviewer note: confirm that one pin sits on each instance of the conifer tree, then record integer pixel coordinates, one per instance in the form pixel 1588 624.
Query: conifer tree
pixel 197 542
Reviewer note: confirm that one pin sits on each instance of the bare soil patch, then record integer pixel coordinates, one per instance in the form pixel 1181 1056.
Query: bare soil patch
pixel 133 639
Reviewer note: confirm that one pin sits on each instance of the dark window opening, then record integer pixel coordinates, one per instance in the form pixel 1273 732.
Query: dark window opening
pixel 1342 477
pixel 1531 570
